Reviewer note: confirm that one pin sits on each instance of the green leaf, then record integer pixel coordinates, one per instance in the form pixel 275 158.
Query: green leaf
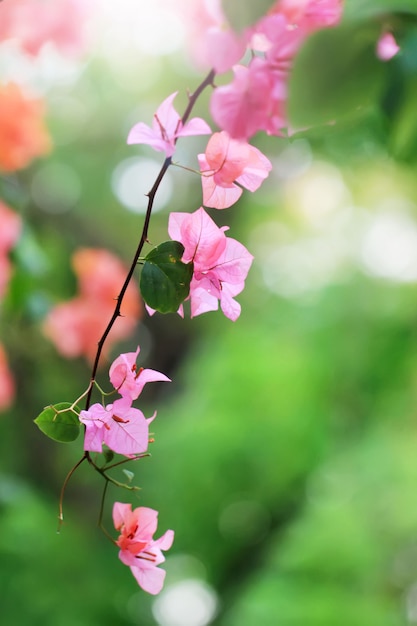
pixel 240 14
pixel 359 9
pixel 336 76
pixel 59 422
pixel 165 279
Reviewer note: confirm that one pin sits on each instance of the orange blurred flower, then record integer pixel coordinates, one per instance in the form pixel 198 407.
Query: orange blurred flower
pixel 76 326
pixel 23 134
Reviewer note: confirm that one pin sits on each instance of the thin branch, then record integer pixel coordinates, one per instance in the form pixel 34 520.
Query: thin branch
pixel 64 486
pixel 144 236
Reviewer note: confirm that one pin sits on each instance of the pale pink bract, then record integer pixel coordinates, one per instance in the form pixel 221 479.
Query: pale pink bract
pixel 226 162
pixel 138 549
pixel 119 426
pixel 127 379
pixel 166 128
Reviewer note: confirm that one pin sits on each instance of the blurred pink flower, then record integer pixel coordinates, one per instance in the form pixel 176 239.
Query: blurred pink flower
pixel 35 22
pixel 387 47
pixel 119 426
pixel 7 385
pixel 138 549
pixel 76 326
pixel 127 379
pixel 226 162
pixel 212 42
pixel 166 128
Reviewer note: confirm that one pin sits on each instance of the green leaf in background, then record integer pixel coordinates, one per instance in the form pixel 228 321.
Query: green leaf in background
pixel 336 76
pixel 241 15
pixel 358 9
pixel 62 426
pixel 165 279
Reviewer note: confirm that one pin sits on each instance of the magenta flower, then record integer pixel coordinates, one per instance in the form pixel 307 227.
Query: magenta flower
pixel 228 160
pixel 221 263
pixel 128 380
pixel 167 127
pixel 119 426
pixel 138 549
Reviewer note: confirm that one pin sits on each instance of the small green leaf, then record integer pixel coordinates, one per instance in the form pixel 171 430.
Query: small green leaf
pixel 165 279
pixel 59 422
pixel 108 455
pixel 129 475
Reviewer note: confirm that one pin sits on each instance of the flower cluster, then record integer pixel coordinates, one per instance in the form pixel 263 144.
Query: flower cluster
pixel 125 430
pixel 119 426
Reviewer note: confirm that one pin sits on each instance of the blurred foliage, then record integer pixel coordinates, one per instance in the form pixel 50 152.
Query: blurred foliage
pixel 285 446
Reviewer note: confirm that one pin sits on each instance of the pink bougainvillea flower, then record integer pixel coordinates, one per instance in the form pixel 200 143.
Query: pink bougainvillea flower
pixel 23 134
pixel 128 380
pixel 387 47
pixel 226 162
pixel 76 326
pixel 119 426
pixel 167 127
pixel 212 42
pixel 221 263
pixel 32 23
pixel 7 385
pixel 243 107
pixel 138 549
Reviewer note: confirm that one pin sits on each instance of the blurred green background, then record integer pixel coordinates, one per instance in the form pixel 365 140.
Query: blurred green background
pixel 285 455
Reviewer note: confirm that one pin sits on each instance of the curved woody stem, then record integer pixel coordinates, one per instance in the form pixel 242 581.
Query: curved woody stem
pixel 144 236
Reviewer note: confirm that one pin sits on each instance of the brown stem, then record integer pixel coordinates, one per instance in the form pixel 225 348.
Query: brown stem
pixel 64 486
pixel 144 236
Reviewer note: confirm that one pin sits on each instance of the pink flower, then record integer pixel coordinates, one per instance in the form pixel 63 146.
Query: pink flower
pixel 119 426
pixel 221 264
pixel 7 385
pixel 35 22
pixel 166 128
pixel 212 41
pixel 76 326
pixel 387 47
pixel 128 380
pixel 138 549
pixel 243 107
pixel 228 160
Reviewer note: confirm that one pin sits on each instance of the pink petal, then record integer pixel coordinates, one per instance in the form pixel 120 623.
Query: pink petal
pixel 129 436
pixel 234 264
pixel 217 197
pixel 229 306
pixel 167 118
pixel 151 580
pixel 242 107
pixel 147 520
pixel 120 513
pixel 387 47
pixel 141 133
pixel 255 171
pixel 195 126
